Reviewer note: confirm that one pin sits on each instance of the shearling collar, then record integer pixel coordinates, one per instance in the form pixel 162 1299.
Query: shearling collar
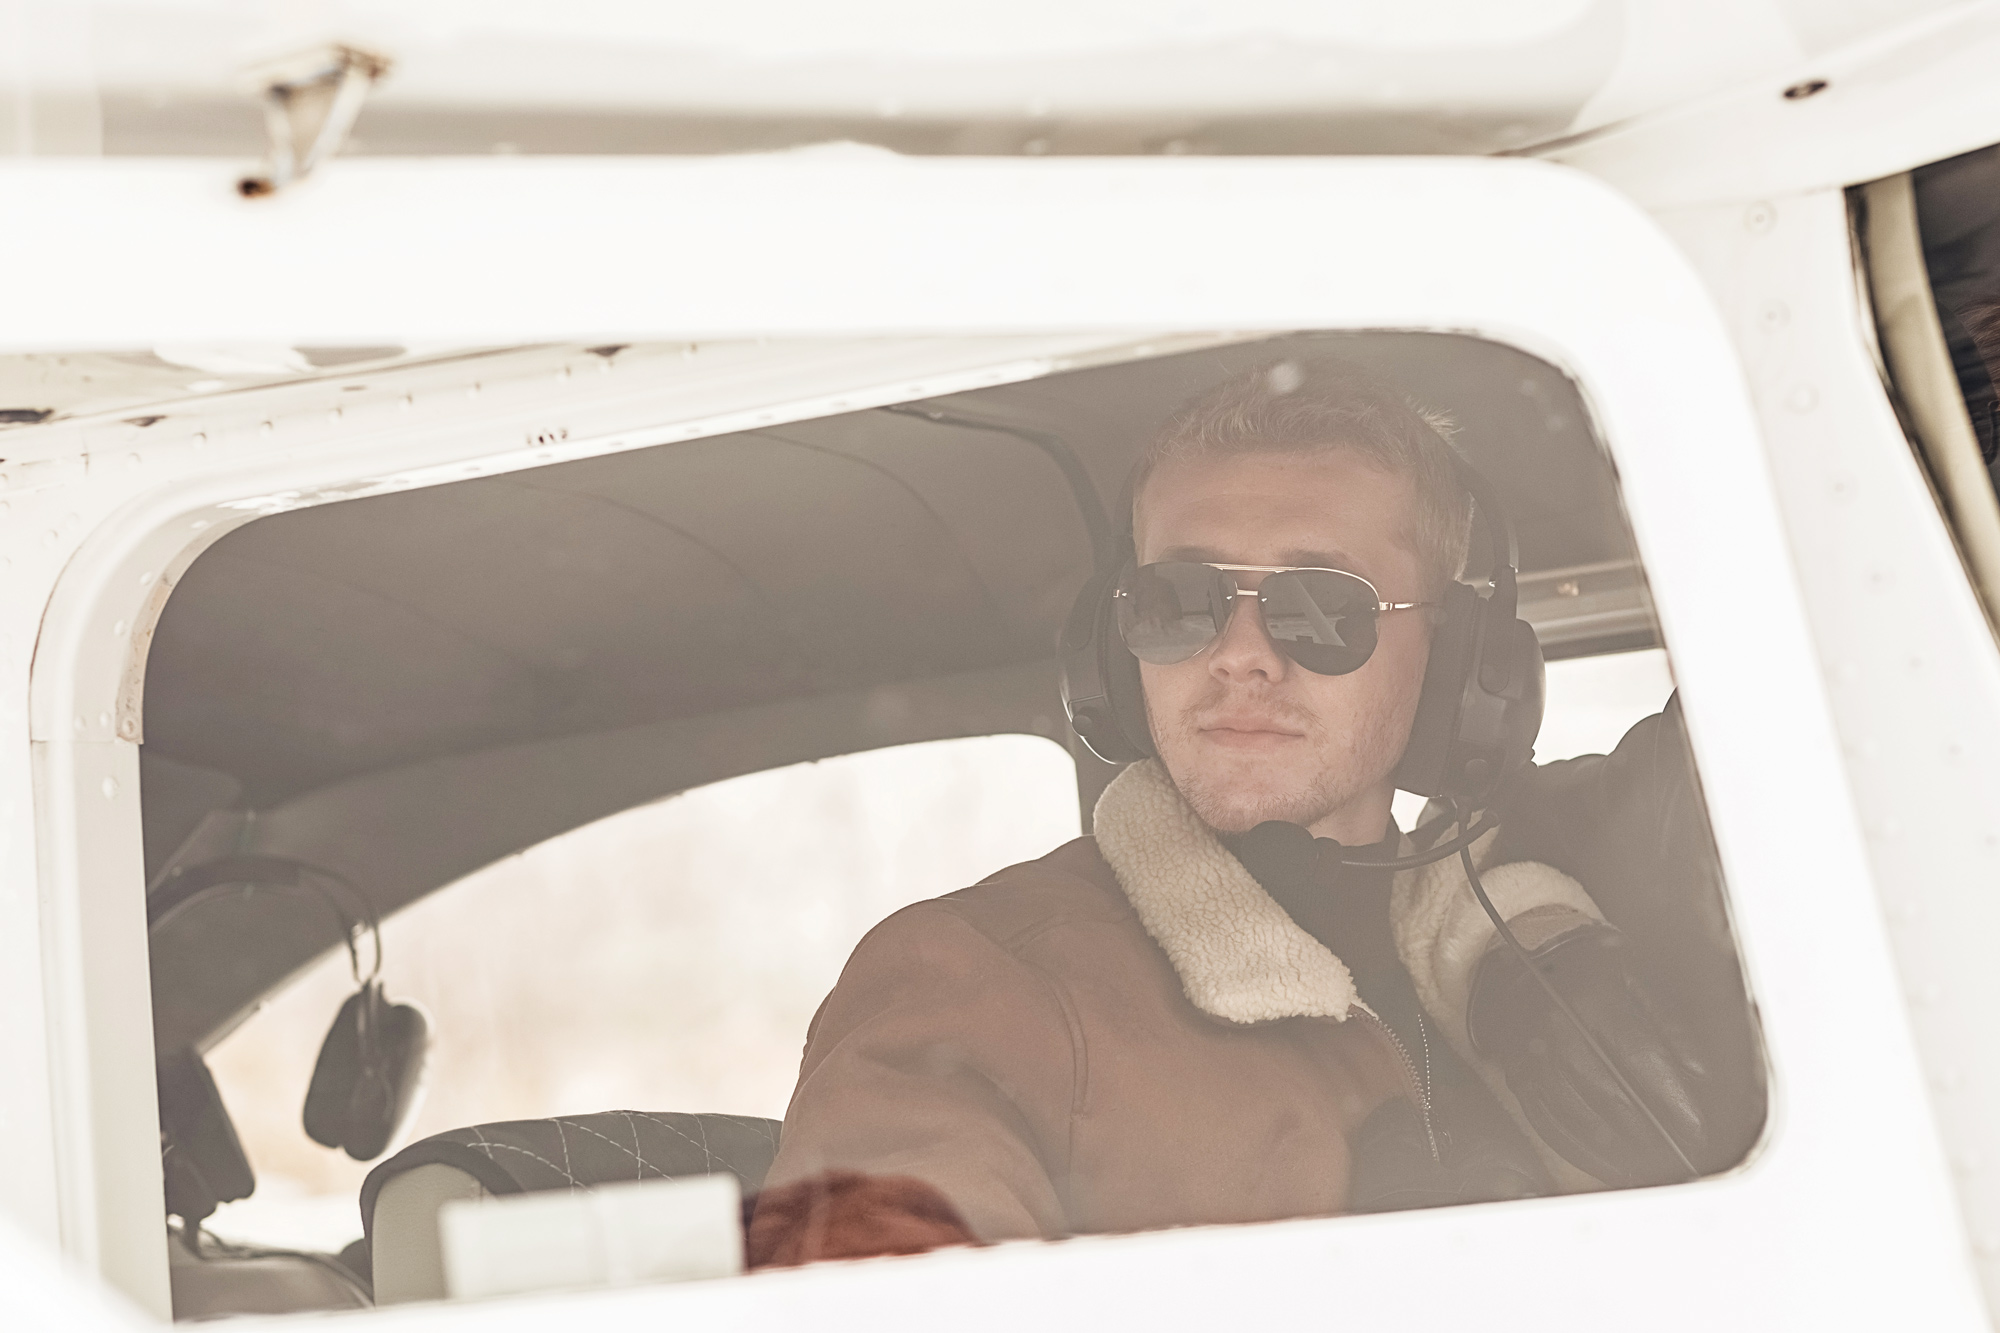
pixel 1240 956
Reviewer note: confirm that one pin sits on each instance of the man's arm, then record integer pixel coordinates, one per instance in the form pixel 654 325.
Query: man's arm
pixel 941 1058
pixel 1659 984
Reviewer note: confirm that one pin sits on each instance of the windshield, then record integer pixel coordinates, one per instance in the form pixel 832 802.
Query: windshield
pixel 1234 785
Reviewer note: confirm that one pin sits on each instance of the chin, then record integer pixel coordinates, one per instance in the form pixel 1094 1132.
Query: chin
pixel 1230 800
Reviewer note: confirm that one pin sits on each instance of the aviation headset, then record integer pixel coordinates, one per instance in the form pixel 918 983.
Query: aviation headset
pixel 366 1083
pixel 1477 716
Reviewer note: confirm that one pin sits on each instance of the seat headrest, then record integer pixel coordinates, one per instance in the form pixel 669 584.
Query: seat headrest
pixel 562 1152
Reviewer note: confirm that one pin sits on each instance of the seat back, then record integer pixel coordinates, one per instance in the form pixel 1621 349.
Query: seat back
pixel 402 1197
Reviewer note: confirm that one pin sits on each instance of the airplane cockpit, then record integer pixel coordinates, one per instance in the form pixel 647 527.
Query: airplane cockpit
pixel 593 773
pixel 1027 665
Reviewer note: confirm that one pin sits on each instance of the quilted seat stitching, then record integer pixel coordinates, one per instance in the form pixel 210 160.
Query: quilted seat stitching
pixel 644 1165
pixel 490 1148
pixel 699 1143
pixel 633 1126
pixel 757 1125
pixel 761 1126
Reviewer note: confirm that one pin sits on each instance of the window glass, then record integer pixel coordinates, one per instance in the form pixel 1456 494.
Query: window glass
pixel 667 957
pixel 1592 703
pixel 1300 658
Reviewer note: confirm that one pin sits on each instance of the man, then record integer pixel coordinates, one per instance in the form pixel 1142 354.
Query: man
pixel 1138 1031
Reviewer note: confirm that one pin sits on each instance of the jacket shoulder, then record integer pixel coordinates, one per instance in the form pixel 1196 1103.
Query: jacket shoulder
pixel 1072 885
pixel 961 935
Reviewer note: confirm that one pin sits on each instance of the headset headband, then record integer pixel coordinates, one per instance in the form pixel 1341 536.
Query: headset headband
pixel 1504 549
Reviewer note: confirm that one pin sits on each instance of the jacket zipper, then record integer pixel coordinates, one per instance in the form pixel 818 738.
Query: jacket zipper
pixel 1421 1087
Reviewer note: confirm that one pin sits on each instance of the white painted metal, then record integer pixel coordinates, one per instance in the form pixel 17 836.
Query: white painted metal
pixel 613 1236
pixel 137 508
pixel 1903 96
pixel 1909 658
pixel 46 1292
pixel 1910 340
pixel 1452 75
pixel 1846 1214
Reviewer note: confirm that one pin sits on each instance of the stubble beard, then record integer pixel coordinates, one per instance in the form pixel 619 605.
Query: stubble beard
pixel 1337 767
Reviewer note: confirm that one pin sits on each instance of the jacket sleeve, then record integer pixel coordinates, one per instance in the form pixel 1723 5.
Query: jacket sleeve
pixel 941 1056
pixel 1442 933
pixel 1606 818
pixel 1631 827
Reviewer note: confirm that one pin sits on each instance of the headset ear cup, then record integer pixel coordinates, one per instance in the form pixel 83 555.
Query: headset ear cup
pixel 1126 690
pixel 1100 678
pixel 335 1073
pixel 408 1047
pixel 391 1078
pixel 1500 712
pixel 1528 700
pixel 1423 767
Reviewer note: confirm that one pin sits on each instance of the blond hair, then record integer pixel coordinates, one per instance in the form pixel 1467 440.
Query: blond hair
pixel 1326 405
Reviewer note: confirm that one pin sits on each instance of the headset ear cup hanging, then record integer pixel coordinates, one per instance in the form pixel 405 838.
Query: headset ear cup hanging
pixel 386 1093
pixel 369 1076
pixel 334 1075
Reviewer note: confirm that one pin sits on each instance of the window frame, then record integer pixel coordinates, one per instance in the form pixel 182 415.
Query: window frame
pixel 1540 257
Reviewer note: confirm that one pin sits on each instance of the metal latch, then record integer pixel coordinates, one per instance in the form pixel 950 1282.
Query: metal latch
pixel 310 102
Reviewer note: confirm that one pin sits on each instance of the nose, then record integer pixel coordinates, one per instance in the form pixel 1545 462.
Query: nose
pixel 1244 651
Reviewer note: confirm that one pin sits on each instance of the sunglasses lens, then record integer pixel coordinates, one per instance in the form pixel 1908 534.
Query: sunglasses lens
pixel 1169 612
pixel 1321 619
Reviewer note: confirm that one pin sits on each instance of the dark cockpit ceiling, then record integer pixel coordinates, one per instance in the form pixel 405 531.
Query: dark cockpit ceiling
pixel 406 687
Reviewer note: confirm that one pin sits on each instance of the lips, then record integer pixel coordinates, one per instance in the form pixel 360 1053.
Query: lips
pixel 1248 733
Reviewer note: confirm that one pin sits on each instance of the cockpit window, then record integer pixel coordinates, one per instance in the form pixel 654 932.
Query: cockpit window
pixel 793 809
pixel 666 957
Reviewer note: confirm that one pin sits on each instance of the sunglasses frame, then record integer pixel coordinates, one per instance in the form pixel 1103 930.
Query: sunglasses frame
pixel 1379 606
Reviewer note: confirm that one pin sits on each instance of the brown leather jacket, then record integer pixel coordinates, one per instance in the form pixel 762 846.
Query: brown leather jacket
pixel 1132 1033
pixel 1026 1048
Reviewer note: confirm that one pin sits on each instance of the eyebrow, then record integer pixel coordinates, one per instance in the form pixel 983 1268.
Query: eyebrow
pixel 1296 558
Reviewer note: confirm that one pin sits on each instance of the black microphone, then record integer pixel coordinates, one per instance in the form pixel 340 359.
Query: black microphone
pixel 1276 852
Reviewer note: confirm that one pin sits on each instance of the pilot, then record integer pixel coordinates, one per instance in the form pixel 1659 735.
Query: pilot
pixel 1178 1022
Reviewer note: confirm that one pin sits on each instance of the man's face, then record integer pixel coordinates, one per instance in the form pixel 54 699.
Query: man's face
pixel 1246 733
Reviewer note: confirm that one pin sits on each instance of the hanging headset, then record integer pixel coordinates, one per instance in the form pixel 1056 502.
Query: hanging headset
pixel 368 1079
pixel 1477 716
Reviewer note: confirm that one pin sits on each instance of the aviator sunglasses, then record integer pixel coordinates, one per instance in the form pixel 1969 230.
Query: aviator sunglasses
pixel 1323 619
